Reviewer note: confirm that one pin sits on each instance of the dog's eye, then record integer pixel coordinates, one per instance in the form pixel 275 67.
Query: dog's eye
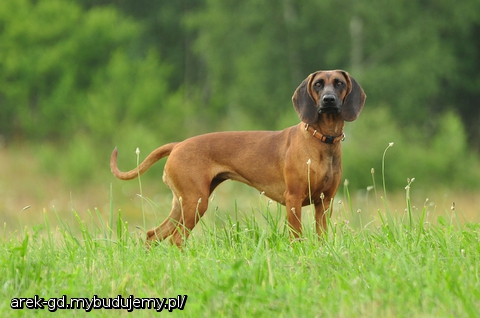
pixel 338 83
pixel 319 83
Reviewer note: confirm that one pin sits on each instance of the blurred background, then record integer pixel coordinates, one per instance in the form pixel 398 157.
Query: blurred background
pixel 79 77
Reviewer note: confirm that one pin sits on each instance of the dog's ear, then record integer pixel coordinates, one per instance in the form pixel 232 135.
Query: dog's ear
pixel 304 103
pixel 354 101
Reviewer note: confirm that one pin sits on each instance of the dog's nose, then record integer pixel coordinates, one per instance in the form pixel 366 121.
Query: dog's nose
pixel 329 99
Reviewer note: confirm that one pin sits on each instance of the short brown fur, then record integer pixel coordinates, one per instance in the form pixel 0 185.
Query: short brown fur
pixel 273 162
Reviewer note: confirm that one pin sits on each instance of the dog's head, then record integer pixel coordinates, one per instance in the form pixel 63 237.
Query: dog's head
pixel 333 92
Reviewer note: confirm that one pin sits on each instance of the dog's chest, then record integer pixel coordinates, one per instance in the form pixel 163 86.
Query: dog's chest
pixel 324 173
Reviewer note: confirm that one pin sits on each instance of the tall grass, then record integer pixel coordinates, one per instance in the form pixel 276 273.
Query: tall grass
pixel 244 265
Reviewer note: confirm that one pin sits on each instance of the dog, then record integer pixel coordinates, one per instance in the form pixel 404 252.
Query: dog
pixel 297 166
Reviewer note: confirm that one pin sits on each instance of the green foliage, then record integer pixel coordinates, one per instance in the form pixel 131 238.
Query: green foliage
pixel 257 59
pixel 127 93
pixel 413 60
pixel 138 74
pixel 49 52
pixel 441 159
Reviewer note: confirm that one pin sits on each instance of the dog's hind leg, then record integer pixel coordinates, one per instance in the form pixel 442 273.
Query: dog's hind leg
pixel 169 224
pixel 190 201
pixel 183 217
pixel 192 211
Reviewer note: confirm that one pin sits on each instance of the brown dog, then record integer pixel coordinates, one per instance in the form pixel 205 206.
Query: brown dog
pixel 295 167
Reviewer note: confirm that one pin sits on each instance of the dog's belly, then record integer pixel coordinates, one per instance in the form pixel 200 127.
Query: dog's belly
pixel 274 190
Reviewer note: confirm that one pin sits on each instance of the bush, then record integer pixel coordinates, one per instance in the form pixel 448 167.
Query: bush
pixel 439 158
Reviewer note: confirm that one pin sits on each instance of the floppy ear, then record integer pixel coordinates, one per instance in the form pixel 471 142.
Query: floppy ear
pixel 304 103
pixel 354 101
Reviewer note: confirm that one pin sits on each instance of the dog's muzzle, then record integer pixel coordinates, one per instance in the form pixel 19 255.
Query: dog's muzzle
pixel 329 110
pixel 329 104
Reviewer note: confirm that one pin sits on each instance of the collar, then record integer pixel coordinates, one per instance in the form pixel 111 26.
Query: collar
pixel 325 138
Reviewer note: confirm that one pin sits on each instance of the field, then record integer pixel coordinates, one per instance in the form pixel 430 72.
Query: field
pixel 379 263
pixel 81 77
pixel 404 268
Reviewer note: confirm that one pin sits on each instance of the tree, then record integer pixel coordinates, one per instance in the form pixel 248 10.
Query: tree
pixel 257 53
pixel 64 70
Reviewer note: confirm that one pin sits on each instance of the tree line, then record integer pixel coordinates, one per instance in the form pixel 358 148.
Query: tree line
pixel 177 68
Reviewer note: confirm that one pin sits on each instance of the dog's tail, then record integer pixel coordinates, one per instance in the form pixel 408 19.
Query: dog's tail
pixel 153 157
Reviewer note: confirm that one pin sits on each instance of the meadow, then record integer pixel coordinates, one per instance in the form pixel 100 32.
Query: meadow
pixel 378 260
pixel 80 77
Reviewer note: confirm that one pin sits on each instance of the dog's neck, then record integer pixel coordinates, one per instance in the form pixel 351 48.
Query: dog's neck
pixel 328 129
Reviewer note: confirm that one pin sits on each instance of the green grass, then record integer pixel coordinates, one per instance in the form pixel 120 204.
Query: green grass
pixel 247 267
pixel 244 265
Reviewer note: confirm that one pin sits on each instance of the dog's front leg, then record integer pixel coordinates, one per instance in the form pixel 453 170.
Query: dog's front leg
pixel 294 216
pixel 322 211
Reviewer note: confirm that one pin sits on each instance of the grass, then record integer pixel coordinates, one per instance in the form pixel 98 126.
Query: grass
pixel 244 269
pixel 244 265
